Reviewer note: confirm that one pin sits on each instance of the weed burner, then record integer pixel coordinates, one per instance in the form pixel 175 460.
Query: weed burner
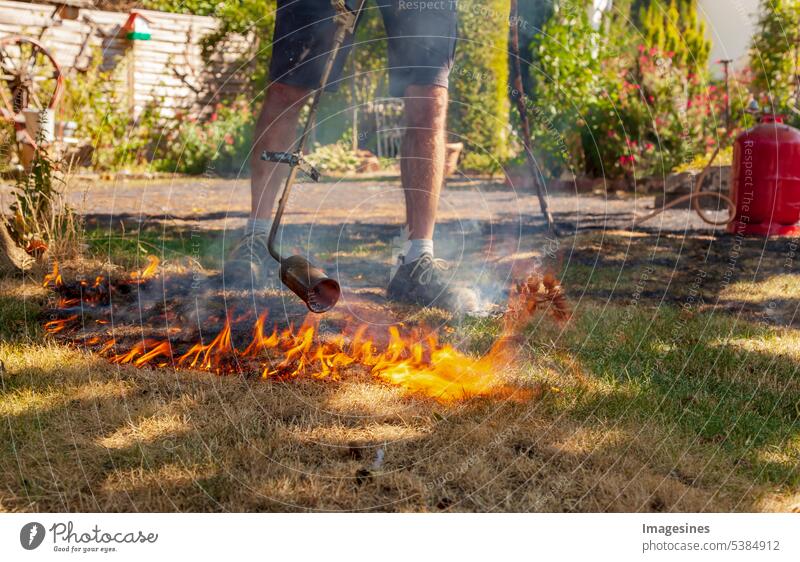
pixel 311 284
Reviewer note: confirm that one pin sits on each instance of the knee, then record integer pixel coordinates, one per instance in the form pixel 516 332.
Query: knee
pixel 426 106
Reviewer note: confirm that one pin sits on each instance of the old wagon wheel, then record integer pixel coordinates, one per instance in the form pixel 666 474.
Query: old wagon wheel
pixel 30 78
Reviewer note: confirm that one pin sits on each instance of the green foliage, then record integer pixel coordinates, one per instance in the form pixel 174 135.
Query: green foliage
pixel 336 157
pixel 607 104
pixel 34 196
pixel 220 144
pixel 677 29
pixel 254 19
pixel 774 53
pixel 567 78
pixel 40 219
pixel 368 61
pixel 479 108
pixel 93 101
pixel 196 7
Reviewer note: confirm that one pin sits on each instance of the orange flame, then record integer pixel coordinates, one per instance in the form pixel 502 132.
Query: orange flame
pixel 415 361
pixel 148 272
pixel 54 277
pixel 212 356
pixel 55 326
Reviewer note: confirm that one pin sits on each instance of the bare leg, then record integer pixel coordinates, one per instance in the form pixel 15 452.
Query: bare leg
pixel 276 130
pixel 423 153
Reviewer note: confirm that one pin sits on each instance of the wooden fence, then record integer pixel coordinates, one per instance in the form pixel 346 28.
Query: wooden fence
pixel 168 69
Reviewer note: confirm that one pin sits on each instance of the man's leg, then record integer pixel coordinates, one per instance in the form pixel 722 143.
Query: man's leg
pixel 419 278
pixel 249 263
pixel 276 130
pixel 423 153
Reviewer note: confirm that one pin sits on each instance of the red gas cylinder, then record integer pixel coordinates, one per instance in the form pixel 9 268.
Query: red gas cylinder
pixel 765 184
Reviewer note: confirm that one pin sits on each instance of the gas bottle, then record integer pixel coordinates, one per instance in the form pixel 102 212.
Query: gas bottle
pixel 765 182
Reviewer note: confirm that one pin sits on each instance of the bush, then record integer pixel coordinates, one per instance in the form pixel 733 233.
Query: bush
pixel 92 100
pixel 773 56
pixel 336 157
pixel 606 106
pixel 221 143
pixel 479 108
pixel 250 18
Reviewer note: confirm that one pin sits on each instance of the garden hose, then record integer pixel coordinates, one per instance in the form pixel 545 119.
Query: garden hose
pixel 695 196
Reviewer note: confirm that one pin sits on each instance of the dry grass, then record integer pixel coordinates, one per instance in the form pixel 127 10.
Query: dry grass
pixel 630 414
pixel 83 435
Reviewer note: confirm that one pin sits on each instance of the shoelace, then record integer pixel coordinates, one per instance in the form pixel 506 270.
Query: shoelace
pixel 428 265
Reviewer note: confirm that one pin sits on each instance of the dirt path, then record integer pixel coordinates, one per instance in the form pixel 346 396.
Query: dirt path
pixel 217 203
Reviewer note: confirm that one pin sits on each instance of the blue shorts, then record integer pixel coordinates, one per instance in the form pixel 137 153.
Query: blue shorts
pixel 421 42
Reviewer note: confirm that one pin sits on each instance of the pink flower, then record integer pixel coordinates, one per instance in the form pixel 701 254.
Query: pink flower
pixel 228 138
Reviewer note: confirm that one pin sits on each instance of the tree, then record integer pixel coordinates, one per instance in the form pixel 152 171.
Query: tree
pixel 479 108
pixel 677 30
pixel 774 53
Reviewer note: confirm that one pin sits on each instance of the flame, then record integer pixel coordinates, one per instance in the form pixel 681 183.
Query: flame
pixel 414 360
pixel 213 356
pixel 54 277
pixel 148 273
pixel 55 326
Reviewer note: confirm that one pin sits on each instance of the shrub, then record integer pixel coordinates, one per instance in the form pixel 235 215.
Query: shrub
pixel 336 157
pixel 221 143
pixel 250 18
pixel 479 108
pixel 773 56
pixel 620 108
pixel 92 100
pixel 677 30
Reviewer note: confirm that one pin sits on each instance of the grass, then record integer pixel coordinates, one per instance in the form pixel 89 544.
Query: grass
pixel 674 387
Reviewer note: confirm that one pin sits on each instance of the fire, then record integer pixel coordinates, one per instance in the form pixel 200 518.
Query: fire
pixel 53 278
pixel 148 272
pixel 415 361
pixel 55 326
pixel 212 357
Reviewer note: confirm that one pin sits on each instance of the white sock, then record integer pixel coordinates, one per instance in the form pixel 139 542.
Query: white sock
pixel 257 226
pixel 415 248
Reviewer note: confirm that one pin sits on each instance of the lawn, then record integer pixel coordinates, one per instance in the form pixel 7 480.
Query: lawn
pixel 674 386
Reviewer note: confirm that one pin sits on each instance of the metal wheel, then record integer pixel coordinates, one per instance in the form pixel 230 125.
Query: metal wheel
pixel 30 78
